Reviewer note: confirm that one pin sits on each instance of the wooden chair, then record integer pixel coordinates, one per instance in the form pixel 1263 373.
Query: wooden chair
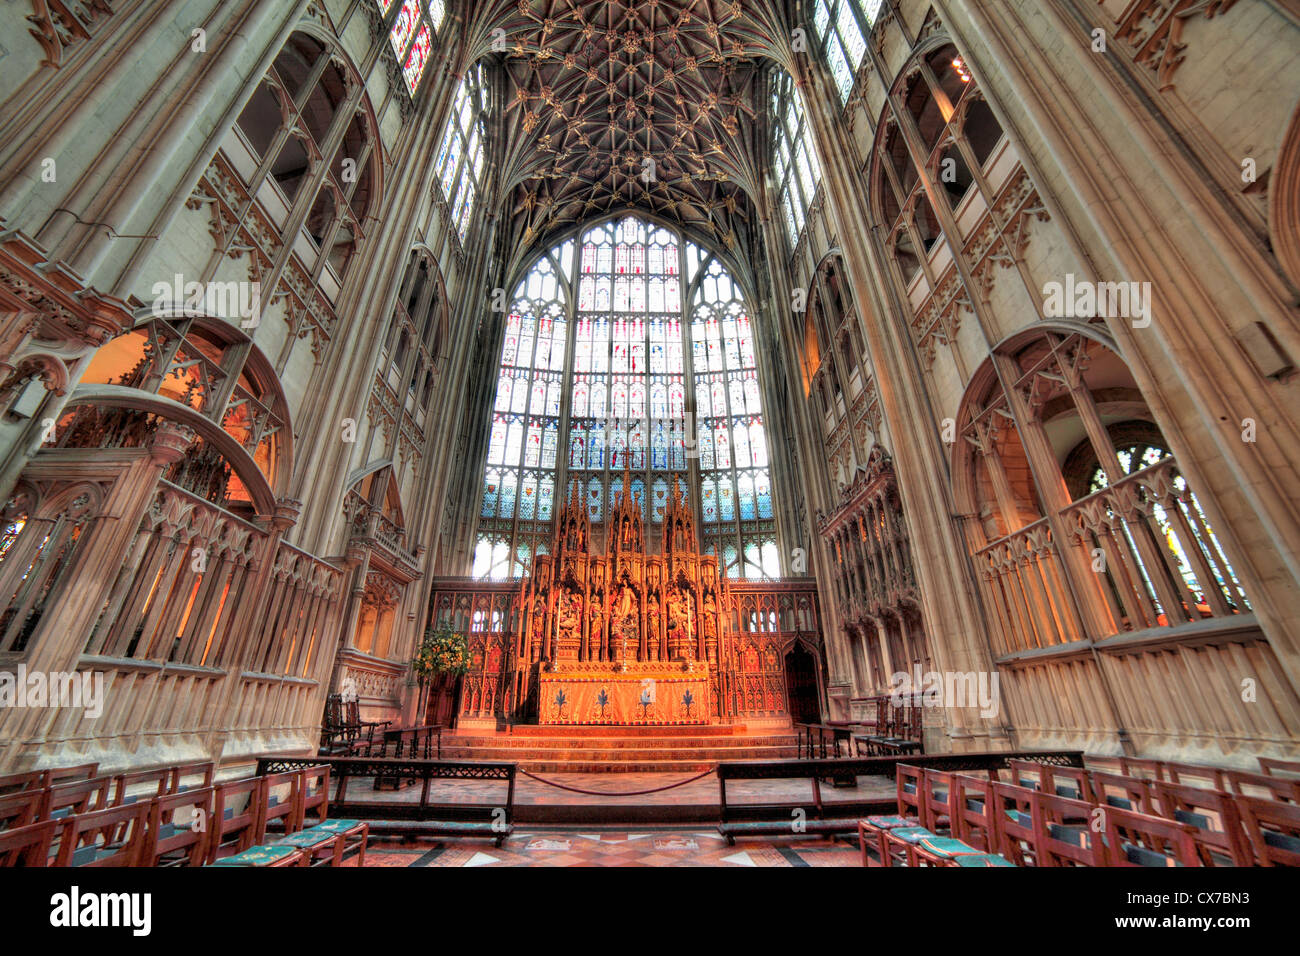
pixel 18 782
pixel 973 812
pixel 78 796
pixel 88 839
pixel 320 845
pixel 203 769
pixel 871 831
pixel 1267 765
pixel 1019 823
pixel 58 775
pixel 1117 790
pixel 1209 778
pixel 910 787
pixel 1139 839
pixel 1028 774
pixel 21 808
pixel 281 800
pixel 252 849
pixel 315 815
pixel 1142 768
pixel 180 826
pixel 1069 782
pixel 1220 837
pixel 1273 829
pixel 147 784
pixel 1264 786
pixel 236 812
pixel 1062 841
pixel 936 800
pixel 27 846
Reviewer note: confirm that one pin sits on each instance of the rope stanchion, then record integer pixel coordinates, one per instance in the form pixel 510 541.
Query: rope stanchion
pixel 606 793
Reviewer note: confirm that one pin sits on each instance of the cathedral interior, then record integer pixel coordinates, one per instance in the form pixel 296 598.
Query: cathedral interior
pixel 621 392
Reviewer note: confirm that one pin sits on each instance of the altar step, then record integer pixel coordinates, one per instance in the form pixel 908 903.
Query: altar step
pixel 620 749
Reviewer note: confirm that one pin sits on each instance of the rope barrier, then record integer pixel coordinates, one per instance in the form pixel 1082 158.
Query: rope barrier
pixel 606 793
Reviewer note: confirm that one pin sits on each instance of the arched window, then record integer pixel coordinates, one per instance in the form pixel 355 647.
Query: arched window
pixel 460 157
pixel 794 162
pixel 842 26
pixel 648 381
pixel 411 31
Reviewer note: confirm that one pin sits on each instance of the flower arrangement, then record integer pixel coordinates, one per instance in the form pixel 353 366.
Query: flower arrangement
pixel 443 651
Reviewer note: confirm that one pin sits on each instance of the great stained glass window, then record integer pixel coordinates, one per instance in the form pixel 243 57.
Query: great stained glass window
pixel 411 32
pixel 793 160
pixel 655 373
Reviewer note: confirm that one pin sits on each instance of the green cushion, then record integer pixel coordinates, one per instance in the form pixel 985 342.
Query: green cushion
pixel 337 826
pixel 889 822
pixel 981 859
pixel 257 856
pixel 945 846
pixel 911 834
pixel 305 839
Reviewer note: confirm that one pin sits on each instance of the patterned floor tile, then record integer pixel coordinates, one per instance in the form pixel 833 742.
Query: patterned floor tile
pixel 662 848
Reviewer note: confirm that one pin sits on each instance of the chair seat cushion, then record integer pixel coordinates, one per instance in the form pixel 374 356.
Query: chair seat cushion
pixel 257 856
pixel 889 822
pixel 981 859
pixel 910 834
pixel 945 846
pixel 338 826
pixel 306 839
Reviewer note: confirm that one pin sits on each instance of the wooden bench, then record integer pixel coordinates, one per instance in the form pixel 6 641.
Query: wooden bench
pixel 785 817
pixel 487 819
pixel 814 737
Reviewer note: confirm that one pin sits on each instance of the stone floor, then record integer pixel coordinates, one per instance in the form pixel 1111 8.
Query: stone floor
pixel 704 791
pixel 641 847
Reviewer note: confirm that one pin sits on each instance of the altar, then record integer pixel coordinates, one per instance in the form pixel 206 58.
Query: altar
pixel 607 627
pixel 634 693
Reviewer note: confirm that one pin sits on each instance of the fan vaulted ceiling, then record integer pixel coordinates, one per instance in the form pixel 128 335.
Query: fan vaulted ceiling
pixel 647 105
